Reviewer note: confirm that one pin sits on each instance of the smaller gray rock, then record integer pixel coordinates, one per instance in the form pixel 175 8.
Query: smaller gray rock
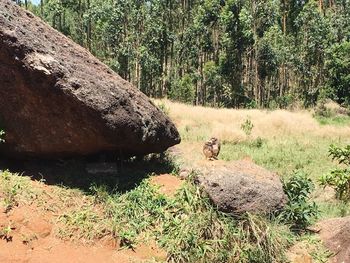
pixel 242 186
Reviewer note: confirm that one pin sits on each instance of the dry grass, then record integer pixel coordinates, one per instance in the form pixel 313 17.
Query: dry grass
pixel 225 123
pixel 287 141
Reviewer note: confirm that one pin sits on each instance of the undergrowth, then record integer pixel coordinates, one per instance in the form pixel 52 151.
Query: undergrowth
pixel 189 228
pixel 13 190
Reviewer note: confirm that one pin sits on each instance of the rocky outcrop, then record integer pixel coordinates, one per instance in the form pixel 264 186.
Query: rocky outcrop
pixel 242 186
pixel 57 100
pixel 335 234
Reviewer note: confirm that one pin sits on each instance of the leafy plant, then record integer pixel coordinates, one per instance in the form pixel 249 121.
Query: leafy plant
pixel 2 133
pixel 128 239
pixel 299 212
pixel 10 190
pixel 5 233
pixel 258 142
pixel 162 106
pixel 339 178
pixel 247 126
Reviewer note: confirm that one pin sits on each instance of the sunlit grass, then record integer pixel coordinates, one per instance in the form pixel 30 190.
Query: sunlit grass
pixel 187 226
pixel 282 141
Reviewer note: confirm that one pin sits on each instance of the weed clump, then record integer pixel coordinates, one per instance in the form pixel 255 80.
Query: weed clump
pixel 299 211
pixel 247 126
pixel 189 228
pixel 196 232
pixel 339 179
pixel 12 187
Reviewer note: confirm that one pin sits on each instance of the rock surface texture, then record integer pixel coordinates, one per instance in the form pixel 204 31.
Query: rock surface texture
pixel 57 100
pixel 335 234
pixel 242 186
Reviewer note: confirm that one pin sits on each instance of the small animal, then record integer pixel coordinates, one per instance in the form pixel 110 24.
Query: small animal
pixel 211 148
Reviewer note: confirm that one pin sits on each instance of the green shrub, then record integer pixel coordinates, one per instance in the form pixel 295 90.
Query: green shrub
pixel 258 142
pixel 2 133
pixel 183 90
pixel 247 126
pixel 339 179
pixel 299 211
pixel 338 67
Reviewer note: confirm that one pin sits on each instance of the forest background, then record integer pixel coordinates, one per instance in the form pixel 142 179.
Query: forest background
pixel 221 53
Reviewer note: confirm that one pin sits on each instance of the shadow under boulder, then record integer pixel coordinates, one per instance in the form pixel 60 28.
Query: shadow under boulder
pixel 83 173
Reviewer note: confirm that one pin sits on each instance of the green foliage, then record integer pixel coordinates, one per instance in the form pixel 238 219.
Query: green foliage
pixel 331 116
pixel 83 222
pixel 135 212
pixel 338 68
pixel 339 179
pixel 213 82
pixel 258 142
pixel 342 155
pixel 334 120
pixel 188 227
pixel 299 211
pixel 12 188
pixel 183 90
pixel 247 126
pixel 6 233
pixel 2 133
pixel 219 53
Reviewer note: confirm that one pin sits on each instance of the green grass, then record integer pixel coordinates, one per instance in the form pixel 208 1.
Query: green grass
pixel 314 246
pixel 309 154
pixel 14 189
pixel 187 226
pixel 334 208
pixel 190 229
pixel 339 120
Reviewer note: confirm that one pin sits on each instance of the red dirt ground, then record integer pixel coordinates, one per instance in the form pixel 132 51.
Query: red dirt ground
pixel 31 240
pixel 168 183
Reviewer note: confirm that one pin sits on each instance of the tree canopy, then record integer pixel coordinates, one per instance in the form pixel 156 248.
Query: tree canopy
pixel 230 53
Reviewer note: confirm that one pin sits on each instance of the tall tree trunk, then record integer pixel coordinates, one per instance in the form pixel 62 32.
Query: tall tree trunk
pixel 42 8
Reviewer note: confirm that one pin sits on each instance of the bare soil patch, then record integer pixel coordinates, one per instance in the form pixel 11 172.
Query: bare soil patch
pixel 31 239
pixel 169 184
pixel 28 234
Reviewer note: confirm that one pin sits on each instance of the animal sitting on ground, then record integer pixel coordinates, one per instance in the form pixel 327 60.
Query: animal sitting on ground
pixel 211 148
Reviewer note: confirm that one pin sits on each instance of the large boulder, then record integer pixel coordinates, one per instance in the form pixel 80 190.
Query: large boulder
pixel 57 100
pixel 335 234
pixel 242 186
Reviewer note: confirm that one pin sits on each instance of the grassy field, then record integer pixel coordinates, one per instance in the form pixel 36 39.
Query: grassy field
pixel 280 140
pixel 185 225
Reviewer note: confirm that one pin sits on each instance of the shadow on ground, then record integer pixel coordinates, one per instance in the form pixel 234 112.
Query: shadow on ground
pixel 120 175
